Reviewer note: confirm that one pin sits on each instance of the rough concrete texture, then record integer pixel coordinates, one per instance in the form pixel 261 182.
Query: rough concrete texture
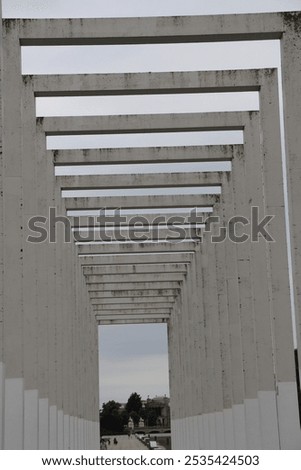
pixel 233 381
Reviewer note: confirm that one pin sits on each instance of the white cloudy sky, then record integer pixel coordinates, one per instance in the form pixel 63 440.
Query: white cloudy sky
pixel 134 358
pixel 118 8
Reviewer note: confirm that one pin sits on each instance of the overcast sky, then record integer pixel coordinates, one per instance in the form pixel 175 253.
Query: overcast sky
pixel 134 358
pixel 118 8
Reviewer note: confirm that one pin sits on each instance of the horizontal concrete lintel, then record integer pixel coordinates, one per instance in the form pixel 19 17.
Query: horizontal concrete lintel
pixel 175 235
pixel 141 202
pixel 133 260
pixel 139 269
pixel 219 81
pixel 97 91
pixel 132 219
pixel 98 130
pixel 134 40
pixel 112 287
pixel 148 30
pixel 145 123
pixel 123 307
pixel 201 179
pixel 121 278
pixel 131 321
pixel 134 312
pixel 134 294
pixel 131 300
pixel 144 155
pixel 130 248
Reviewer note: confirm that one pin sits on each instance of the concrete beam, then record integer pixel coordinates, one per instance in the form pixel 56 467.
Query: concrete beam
pixel 149 30
pixel 143 123
pixel 134 294
pixel 141 202
pixel 131 319
pixel 130 248
pixel 134 286
pixel 141 155
pixel 132 307
pixel 174 233
pixel 130 300
pixel 95 271
pixel 171 258
pixel 139 181
pixel 137 312
pixel 145 83
pixel 122 278
pixel 131 220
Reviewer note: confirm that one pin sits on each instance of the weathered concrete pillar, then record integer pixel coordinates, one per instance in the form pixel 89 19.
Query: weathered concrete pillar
pixel 290 58
pixel 213 351
pixel 234 415
pixel 12 241
pixel 219 265
pixel 199 268
pixel 2 368
pixel 176 374
pixel 182 384
pixel 197 341
pixel 31 269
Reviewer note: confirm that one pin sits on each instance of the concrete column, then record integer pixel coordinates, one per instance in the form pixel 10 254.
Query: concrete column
pixel 277 275
pixel 2 383
pixel 199 268
pixel 182 381
pixel 12 242
pixel 219 263
pixel 31 269
pixel 234 415
pixel 2 367
pixel 290 58
pixel 197 339
pixel 176 375
pixel 189 385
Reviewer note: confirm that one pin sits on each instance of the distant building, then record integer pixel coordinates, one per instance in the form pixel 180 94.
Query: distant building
pixel 131 424
pixel 141 423
pixel 161 406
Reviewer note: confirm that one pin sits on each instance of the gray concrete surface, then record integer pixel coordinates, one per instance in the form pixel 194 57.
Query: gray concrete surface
pixel 230 329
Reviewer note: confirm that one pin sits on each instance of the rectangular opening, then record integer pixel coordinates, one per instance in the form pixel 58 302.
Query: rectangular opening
pixel 131 58
pixel 130 242
pixel 66 193
pixel 147 104
pixel 162 139
pixel 143 168
pixel 133 359
pixel 130 212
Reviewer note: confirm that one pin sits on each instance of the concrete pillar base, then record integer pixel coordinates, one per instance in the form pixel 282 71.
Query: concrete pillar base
pixel 14 414
pixel 239 427
pixel 31 419
pixel 288 418
pixel 2 382
pixel 229 429
pixel 60 429
pixel 268 420
pixel 72 432
pixel 53 434
pixel 43 424
pixel 253 431
pixel 219 430
pixel 67 432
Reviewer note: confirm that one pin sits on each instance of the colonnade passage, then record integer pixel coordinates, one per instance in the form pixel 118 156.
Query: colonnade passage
pixel 204 250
